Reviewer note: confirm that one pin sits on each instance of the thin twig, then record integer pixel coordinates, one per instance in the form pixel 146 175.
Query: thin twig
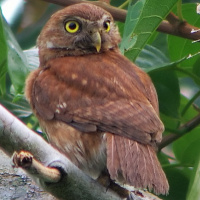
pixel 190 102
pixel 186 128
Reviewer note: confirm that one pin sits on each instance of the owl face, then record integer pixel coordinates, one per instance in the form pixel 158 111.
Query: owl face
pixel 78 30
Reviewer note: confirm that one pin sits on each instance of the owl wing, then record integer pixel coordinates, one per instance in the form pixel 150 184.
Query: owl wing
pixel 114 96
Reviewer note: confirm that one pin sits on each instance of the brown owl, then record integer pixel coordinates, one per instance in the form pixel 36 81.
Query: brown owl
pixel 96 106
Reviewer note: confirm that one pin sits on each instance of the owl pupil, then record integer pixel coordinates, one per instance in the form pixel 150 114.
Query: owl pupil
pixel 105 25
pixel 72 26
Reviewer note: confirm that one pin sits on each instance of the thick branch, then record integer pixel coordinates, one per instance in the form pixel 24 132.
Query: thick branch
pixel 174 26
pixel 168 139
pixel 118 14
pixel 181 29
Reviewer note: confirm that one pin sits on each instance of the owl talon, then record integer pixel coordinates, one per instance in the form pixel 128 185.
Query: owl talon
pixel 23 159
pixel 105 180
pixel 131 196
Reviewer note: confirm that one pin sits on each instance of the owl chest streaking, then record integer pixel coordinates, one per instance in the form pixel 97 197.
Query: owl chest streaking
pixel 96 107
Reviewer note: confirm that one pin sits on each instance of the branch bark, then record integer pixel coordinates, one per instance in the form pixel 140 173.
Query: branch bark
pixel 118 14
pixel 180 28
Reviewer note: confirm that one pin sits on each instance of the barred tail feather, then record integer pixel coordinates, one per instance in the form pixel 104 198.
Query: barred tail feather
pixel 135 164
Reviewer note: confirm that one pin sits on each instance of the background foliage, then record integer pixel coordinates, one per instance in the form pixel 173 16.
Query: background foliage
pixel 171 61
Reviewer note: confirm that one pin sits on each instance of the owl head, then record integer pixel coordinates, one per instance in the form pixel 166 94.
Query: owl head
pixel 76 30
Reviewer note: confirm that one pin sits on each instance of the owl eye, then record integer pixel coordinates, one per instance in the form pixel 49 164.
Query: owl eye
pixel 72 26
pixel 106 25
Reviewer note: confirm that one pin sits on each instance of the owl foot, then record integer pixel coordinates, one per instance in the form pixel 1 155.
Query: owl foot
pixel 105 180
pixel 23 159
pixel 26 161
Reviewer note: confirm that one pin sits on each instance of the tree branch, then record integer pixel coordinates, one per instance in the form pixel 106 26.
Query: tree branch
pixel 186 128
pixel 174 26
pixel 118 14
pixel 180 28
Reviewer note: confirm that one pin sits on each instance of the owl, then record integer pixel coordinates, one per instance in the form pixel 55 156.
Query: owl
pixel 97 107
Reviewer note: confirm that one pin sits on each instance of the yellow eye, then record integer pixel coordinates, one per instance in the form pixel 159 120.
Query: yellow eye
pixel 106 25
pixel 72 26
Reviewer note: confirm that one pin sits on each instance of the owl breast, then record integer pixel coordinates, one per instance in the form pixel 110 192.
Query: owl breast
pixel 86 150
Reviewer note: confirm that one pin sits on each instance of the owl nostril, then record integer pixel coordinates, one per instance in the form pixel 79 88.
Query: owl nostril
pixel 91 32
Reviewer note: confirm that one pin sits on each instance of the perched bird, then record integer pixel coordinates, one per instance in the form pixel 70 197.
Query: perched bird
pixel 96 106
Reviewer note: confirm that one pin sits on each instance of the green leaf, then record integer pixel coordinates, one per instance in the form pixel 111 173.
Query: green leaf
pixel 151 58
pixel 163 158
pixel 186 148
pixel 194 192
pixel 17 63
pixel 178 181
pixel 133 15
pixel 167 87
pixel 21 108
pixel 180 47
pixel 3 57
pixel 187 113
pixel 32 58
pixel 161 43
pixel 169 122
pixel 196 68
pixel 142 20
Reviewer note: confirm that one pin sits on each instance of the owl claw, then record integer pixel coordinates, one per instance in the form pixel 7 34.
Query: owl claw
pixel 23 159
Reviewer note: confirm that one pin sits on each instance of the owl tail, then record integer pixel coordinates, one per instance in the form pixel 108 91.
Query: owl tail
pixel 135 164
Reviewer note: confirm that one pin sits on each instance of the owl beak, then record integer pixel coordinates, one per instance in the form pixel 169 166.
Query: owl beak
pixel 96 38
